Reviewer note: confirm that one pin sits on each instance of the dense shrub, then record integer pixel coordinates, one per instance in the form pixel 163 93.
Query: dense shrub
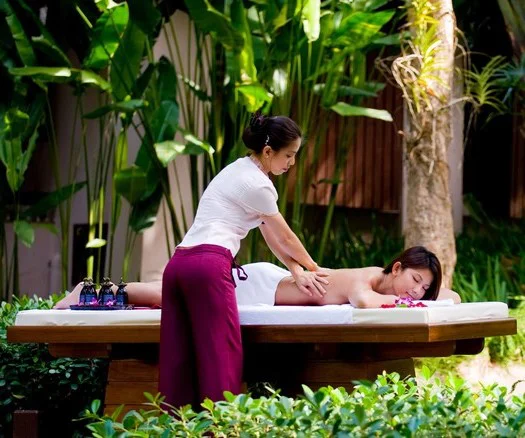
pixel 31 379
pixel 388 407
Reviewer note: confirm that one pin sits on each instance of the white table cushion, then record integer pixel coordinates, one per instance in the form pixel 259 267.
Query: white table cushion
pixel 280 315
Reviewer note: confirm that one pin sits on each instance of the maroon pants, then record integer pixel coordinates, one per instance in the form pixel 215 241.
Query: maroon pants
pixel 200 337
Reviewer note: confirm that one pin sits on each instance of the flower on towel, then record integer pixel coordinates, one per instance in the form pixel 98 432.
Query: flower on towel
pixel 404 302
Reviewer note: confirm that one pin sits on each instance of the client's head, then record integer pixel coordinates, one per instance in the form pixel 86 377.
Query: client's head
pixel 416 273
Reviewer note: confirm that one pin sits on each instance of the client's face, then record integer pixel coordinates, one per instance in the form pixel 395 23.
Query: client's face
pixel 411 282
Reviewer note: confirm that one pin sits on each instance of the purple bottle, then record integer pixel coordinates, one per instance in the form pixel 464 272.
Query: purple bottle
pixel 83 291
pixel 106 297
pixel 91 294
pixel 122 294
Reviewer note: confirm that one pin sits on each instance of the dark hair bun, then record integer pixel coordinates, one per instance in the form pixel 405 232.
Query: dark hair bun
pixel 276 132
pixel 257 121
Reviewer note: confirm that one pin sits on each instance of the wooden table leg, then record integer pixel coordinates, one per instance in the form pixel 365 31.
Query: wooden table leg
pixel 128 379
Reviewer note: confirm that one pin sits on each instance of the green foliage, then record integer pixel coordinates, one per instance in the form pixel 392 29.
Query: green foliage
pixel 348 249
pixel 31 379
pixel 482 87
pixel 389 406
pixel 490 267
pixel 505 349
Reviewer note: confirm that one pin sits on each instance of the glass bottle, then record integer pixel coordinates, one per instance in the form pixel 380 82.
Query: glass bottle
pixel 122 294
pixel 82 296
pixel 91 293
pixel 106 297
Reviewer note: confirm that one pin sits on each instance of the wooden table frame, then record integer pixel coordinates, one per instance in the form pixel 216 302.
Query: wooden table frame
pixel 283 355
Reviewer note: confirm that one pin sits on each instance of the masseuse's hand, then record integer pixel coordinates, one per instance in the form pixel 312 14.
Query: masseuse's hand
pixel 311 283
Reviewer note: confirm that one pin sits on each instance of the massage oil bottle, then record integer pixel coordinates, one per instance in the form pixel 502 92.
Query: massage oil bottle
pixel 122 294
pixel 105 295
pixel 91 293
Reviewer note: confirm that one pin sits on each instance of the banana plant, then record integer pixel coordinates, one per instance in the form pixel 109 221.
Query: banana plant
pixel 26 42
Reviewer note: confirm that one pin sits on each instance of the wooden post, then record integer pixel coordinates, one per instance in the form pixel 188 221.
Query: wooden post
pixel 26 424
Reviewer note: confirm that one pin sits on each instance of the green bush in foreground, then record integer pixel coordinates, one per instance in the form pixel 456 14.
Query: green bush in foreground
pixel 389 407
pixel 31 379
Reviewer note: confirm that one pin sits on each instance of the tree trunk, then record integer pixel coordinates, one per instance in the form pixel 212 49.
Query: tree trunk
pixel 429 220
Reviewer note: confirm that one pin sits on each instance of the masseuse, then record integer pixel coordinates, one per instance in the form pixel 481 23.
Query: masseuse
pixel 200 345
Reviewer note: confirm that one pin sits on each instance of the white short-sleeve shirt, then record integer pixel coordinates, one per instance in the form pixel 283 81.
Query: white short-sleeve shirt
pixel 232 204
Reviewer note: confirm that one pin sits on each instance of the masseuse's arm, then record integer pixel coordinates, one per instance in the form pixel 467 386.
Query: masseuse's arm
pixel 294 267
pixel 283 242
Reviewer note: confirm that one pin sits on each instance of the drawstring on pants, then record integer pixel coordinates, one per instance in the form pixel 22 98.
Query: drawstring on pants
pixel 241 273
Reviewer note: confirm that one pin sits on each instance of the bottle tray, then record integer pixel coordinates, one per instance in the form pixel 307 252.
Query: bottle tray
pixel 79 307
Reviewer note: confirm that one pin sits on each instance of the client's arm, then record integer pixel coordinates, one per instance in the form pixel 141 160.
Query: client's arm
pixel 369 299
pixel 447 294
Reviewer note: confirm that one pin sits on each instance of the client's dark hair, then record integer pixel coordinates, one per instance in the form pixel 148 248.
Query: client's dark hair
pixel 418 257
pixel 276 132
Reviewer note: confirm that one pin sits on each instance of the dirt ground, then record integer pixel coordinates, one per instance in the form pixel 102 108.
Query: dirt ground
pixel 479 369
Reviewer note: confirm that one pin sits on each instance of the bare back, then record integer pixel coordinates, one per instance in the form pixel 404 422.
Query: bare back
pixel 344 283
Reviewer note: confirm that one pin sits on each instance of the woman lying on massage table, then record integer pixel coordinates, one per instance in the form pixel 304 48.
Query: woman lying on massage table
pixel 415 274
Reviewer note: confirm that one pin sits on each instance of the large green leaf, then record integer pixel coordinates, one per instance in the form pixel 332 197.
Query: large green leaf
pixel 194 145
pixel 167 80
pixel 131 183
pixel 15 123
pixel 55 74
pixel 24 159
pixel 144 80
pixel 51 50
pixel 107 33
pixel 168 150
pixel 345 91
pixel 52 200
pixel 367 5
pixel 347 110
pixel 211 21
pixel 45 41
pixel 311 16
pixel 16 160
pixel 144 213
pixel 162 126
pixel 25 232
pixel 255 96
pixel 128 106
pixel 145 15
pixel 125 64
pixel 61 75
pixel 90 78
pixel 359 29
pixel 245 57
pixel 22 42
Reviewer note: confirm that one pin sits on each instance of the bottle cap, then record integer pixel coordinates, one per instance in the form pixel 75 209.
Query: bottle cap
pixel 121 283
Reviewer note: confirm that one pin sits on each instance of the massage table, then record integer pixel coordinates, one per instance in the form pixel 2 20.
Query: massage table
pixel 285 346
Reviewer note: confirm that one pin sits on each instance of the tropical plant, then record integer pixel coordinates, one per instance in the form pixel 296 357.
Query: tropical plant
pixel 389 406
pixel 28 42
